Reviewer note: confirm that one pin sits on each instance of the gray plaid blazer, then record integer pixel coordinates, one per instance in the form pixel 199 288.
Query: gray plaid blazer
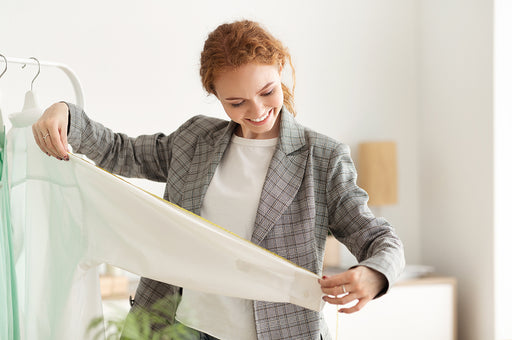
pixel 310 188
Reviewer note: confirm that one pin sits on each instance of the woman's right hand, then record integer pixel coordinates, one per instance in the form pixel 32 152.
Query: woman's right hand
pixel 51 131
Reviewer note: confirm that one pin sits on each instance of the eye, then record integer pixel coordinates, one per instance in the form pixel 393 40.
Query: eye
pixel 268 93
pixel 237 104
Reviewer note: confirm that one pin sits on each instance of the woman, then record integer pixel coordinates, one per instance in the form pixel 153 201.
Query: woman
pixel 261 174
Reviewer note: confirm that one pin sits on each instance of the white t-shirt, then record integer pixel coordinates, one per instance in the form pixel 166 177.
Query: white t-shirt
pixel 231 201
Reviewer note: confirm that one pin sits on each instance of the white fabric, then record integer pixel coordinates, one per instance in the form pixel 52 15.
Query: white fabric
pixel 71 216
pixel 231 200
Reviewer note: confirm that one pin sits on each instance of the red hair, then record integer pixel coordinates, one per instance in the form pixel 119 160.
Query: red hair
pixel 239 43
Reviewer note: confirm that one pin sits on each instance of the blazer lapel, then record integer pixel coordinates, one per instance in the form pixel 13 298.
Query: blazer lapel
pixel 284 176
pixel 207 156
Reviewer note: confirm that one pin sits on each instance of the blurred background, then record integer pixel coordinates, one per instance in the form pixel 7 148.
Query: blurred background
pixel 432 76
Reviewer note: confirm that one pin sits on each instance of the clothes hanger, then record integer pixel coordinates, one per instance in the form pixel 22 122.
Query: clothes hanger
pixel 31 110
pixel 30 96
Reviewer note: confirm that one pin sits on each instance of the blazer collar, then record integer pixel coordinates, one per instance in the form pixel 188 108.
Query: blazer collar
pixel 291 133
pixel 207 156
pixel 284 177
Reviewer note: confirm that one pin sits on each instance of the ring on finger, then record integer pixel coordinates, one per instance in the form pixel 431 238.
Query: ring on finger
pixel 45 136
pixel 344 290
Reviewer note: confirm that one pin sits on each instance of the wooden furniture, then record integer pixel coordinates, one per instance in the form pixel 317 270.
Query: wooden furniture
pixel 419 309
pixel 114 287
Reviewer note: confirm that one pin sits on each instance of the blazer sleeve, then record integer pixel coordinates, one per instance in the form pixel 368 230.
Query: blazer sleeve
pixel 145 156
pixel 371 240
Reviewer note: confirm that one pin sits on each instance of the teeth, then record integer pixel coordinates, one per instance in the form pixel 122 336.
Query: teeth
pixel 257 120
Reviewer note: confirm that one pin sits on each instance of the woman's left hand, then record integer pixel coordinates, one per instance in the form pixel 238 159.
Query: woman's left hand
pixel 360 283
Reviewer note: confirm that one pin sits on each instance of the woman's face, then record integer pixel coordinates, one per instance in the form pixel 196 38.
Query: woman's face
pixel 252 97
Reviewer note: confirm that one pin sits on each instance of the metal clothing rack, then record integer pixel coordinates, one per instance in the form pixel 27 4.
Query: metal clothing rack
pixel 77 86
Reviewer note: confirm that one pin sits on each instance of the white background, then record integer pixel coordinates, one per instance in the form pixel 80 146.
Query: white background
pixel 419 72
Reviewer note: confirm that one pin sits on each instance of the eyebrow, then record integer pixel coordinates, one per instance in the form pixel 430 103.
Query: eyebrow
pixel 262 89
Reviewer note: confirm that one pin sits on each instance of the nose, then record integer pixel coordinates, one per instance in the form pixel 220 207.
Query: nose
pixel 257 108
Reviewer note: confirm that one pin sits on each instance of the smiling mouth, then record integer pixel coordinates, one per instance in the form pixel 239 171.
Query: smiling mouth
pixel 258 120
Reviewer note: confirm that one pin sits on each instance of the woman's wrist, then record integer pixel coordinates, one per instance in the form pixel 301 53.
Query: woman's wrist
pixel 69 115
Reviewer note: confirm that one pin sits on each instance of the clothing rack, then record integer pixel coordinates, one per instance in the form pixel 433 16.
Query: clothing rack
pixel 77 86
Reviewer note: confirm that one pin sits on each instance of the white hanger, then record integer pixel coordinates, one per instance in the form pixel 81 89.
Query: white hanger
pixel 31 110
pixel 31 101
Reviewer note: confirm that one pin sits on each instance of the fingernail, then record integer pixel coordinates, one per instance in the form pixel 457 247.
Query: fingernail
pixel 324 277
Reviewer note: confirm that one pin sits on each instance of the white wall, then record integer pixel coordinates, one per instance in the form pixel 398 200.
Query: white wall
pixel 503 167
pixel 138 62
pixel 456 153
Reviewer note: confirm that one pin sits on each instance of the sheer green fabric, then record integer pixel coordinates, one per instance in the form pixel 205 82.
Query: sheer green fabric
pixel 9 323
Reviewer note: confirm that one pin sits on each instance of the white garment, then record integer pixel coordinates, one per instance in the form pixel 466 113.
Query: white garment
pixel 232 201
pixel 71 216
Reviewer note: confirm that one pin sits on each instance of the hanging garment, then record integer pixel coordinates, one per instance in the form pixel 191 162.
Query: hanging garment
pixel 9 325
pixel 72 216
pixel 56 295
